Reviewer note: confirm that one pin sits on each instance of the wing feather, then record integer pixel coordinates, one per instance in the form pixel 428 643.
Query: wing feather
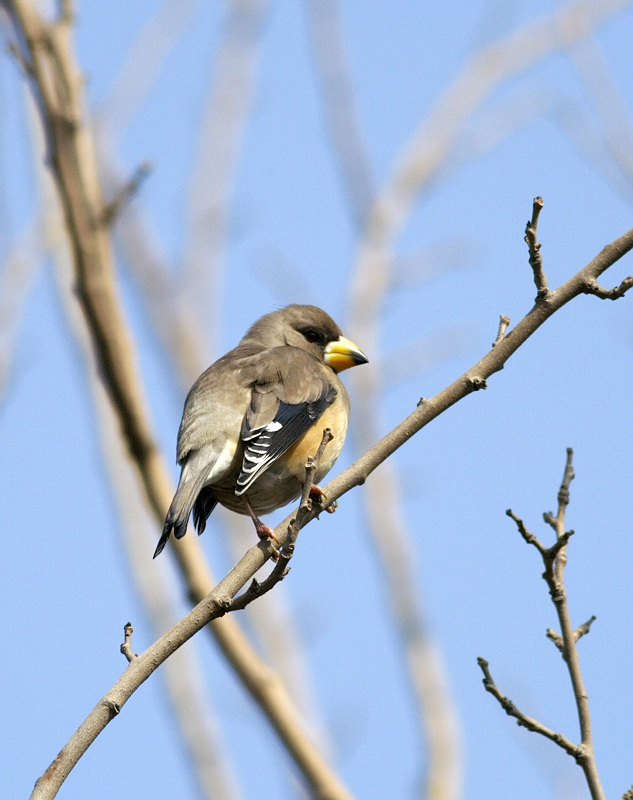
pixel 265 443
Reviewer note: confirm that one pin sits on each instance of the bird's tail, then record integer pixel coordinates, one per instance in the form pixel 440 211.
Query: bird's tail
pixel 178 515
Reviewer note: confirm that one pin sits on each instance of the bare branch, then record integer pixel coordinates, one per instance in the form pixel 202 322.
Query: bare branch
pixel 504 321
pixel 125 194
pixel 57 86
pixel 568 476
pixel 555 559
pixel 583 629
pixel 126 647
pixel 536 260
pixel 574 750
pixel 529 537
pixel 556 638
pixel 593 287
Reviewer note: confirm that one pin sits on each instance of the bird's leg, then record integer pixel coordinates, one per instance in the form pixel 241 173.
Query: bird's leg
pixel 263 531
pixel 318 496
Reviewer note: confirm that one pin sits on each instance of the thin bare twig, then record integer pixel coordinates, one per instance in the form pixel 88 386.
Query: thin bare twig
pixel 593 287
pixel 126 647
pixel 536 260
pixel 555 558
pixel 504 321
pixel 126 192
pixel 522 719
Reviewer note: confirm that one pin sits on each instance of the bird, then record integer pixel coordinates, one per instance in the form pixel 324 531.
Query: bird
pixel 255 416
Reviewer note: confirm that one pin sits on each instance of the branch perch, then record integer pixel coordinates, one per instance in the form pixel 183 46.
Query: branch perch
pixel 217 602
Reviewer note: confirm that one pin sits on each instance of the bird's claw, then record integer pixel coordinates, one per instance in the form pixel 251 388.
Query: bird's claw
pixel 318 496
pixel 265 532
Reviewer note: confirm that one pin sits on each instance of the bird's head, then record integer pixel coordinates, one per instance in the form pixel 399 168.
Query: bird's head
pixel 311 329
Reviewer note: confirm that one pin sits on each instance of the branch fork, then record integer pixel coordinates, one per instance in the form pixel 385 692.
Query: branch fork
pixel 554 560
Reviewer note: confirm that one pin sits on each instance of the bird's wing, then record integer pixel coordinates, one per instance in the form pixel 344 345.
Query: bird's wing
pixel 290 391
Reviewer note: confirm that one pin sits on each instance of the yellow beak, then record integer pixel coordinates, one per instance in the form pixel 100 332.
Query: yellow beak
pixel 343 354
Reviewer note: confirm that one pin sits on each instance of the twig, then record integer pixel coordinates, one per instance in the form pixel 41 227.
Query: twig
pixel 583 629
pixel 126 647
pixel 574 750
pixel 504 321
pixel 555 558
pixel 112 210
pixel 534 247
pixel 556 638
pixel 593 287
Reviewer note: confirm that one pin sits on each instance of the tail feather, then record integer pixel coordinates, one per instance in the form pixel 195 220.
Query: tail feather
pixel 180 509
pixel 204 505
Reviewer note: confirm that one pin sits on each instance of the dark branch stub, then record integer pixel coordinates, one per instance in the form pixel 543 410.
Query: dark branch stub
pixel 126 193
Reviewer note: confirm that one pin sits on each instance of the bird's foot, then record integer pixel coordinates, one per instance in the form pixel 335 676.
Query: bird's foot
pixel 264 532
pixel 318 496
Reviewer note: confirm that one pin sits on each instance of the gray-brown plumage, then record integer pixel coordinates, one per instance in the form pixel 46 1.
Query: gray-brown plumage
pixel 254 417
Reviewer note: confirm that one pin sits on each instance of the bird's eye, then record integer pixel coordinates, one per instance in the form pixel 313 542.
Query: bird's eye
pixel 312 336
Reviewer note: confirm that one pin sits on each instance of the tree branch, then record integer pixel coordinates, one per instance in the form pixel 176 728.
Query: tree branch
pixel 522 719
pixel 56 82
pixel 555 559
pixel 536 260
pixel 219 601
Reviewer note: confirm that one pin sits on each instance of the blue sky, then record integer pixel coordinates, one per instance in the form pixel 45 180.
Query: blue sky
pixel 67 587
